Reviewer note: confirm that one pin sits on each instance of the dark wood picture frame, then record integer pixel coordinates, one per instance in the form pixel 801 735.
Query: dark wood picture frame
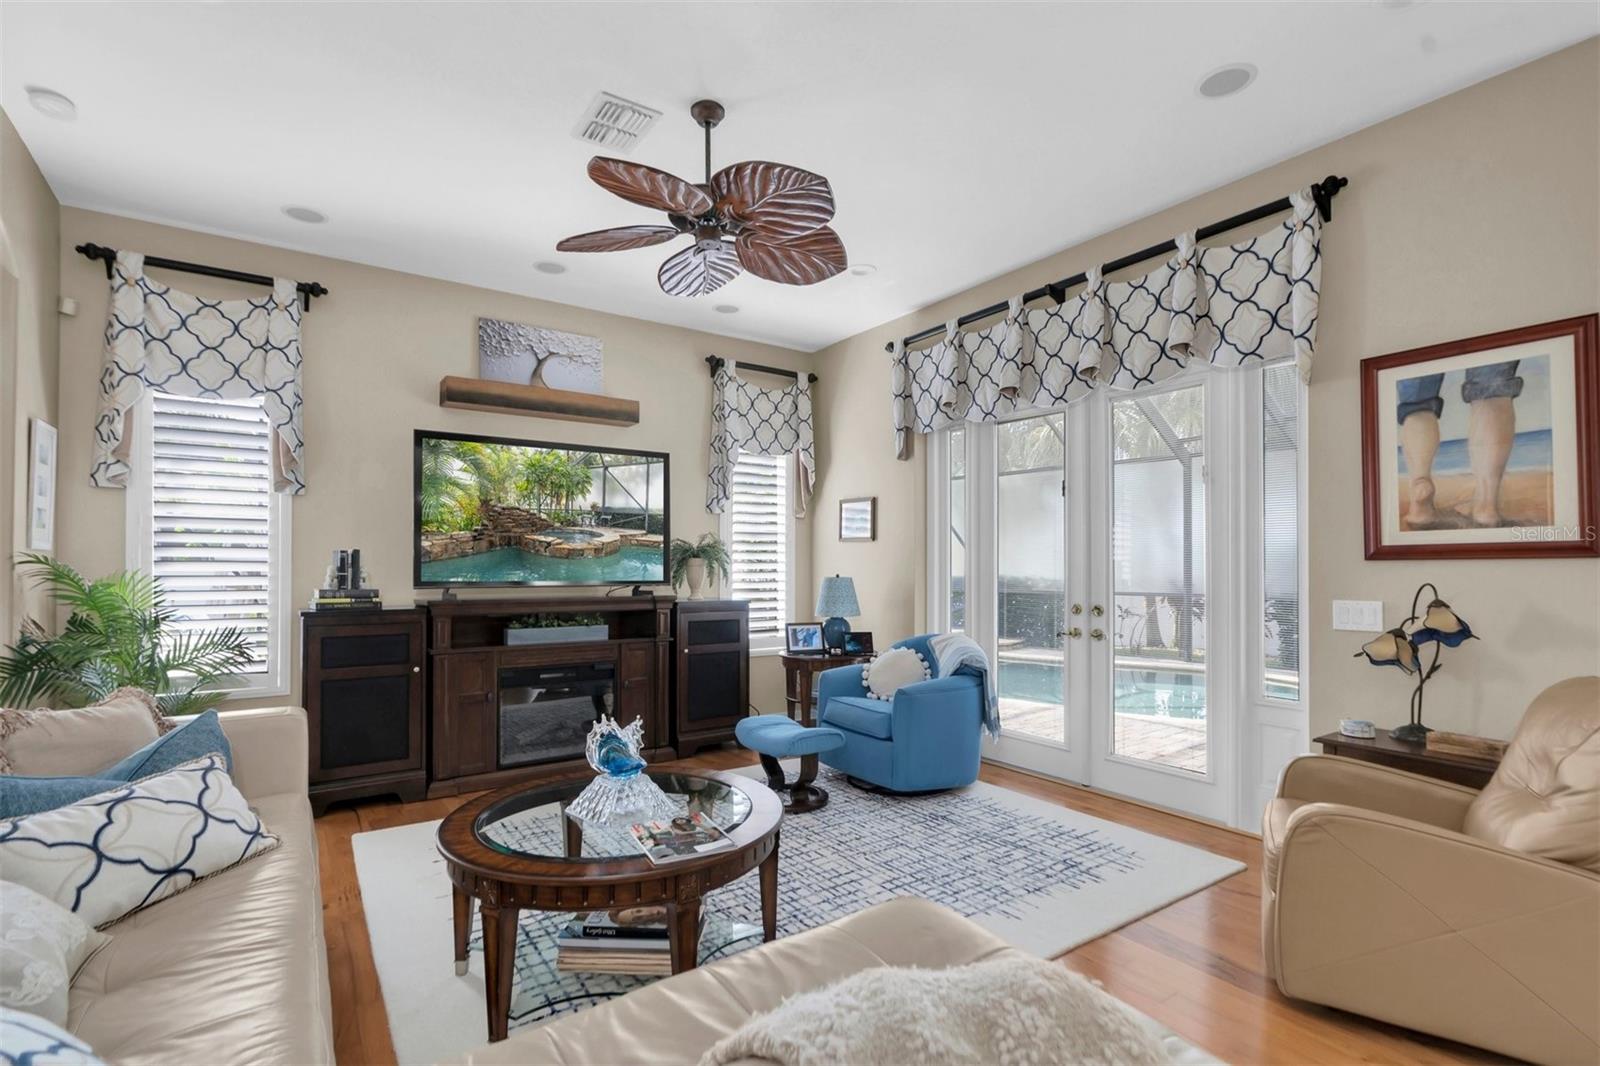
pixel 872 517
pixel 792 648
pixel 1583 330
pixel 858 642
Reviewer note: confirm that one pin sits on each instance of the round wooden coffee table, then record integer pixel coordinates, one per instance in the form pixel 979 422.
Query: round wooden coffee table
pixel 498 852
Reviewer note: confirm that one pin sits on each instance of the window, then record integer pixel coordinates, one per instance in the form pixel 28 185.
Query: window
pixel 203 519
pixel 1158 578
pixel 759 533
pixel 957 450
pixel 1280 531
pixel 1030 516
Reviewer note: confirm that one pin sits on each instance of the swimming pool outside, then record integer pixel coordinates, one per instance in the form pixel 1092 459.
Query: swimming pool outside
pixel 632 564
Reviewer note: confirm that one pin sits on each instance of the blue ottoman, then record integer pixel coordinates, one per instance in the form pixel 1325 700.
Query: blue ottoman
pixel 777 736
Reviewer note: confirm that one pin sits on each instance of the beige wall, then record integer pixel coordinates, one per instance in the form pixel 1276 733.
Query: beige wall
pixel 1478 212
pixel 29 271
pixel 374 352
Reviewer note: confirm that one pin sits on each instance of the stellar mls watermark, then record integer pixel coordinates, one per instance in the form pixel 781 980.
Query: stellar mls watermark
pixel 1553 533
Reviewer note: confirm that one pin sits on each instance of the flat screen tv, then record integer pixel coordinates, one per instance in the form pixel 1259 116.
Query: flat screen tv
pixel 494 511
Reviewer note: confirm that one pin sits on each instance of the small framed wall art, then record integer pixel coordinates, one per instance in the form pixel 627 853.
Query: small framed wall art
pixel 41 485
pixel 858 518
pixel 1484 448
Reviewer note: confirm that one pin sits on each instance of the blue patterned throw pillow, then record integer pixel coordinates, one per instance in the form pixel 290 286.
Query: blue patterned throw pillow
pixel 114 852
pixel 29 1040
pixel 200 735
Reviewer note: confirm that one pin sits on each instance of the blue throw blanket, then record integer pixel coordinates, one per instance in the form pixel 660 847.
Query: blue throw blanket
pixel 957 651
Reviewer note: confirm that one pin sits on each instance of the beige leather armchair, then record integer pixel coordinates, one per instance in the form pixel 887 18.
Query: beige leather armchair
pixel 1471 916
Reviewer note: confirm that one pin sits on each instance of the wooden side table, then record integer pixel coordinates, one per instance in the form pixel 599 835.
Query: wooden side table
pixel 1411 756
pixel 800 673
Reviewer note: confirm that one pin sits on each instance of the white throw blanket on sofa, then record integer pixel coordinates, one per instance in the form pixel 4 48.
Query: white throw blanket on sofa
pixel 1007 1011
pixel 957 650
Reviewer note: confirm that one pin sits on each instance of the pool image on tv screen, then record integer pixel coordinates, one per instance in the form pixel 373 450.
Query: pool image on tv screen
pixel 492 511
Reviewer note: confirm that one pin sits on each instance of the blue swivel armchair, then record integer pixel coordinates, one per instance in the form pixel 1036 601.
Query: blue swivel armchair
pixel 924 739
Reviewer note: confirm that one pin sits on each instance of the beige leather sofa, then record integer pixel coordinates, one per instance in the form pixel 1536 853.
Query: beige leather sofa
pixel 674 1021
pixel 1472 916
pixel 235 968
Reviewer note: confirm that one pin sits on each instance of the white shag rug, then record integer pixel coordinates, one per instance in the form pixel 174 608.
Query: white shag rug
pixel 1041 876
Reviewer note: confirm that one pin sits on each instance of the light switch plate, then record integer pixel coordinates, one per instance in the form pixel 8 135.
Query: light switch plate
pixel 1362 616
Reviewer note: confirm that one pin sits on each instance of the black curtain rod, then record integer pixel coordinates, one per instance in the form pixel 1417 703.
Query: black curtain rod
pixel 1322 192
pixel 715 363
pixel 307 289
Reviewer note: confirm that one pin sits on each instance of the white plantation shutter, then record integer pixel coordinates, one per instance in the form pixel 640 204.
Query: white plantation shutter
pixel 213 532
pixel 758 538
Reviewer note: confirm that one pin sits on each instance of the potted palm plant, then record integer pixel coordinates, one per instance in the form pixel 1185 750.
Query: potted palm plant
pixel 692 561
pixel 120 633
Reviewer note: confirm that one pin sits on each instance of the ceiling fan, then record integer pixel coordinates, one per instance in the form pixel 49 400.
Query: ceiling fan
pixel 767 218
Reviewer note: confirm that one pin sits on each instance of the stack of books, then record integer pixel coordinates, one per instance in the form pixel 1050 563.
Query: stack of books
pixel 346 599
pixel 598 943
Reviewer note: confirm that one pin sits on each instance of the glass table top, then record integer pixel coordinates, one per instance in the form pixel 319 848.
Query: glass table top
pixel 531 822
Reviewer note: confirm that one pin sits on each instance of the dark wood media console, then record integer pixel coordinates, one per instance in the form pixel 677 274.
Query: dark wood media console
pixel 482 729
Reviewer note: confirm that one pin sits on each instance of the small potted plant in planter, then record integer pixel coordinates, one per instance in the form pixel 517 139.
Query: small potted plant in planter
pixel 556 629
pixel 691 562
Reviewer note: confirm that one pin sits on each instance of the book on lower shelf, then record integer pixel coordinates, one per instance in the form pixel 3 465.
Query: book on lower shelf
pixel 643 949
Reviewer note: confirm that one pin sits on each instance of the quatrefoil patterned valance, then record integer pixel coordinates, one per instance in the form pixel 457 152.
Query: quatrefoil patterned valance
pixel 160 338
pixel 1245 304
pixel 747 419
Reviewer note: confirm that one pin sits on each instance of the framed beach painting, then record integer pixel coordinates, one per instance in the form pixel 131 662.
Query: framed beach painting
pixel 1484 448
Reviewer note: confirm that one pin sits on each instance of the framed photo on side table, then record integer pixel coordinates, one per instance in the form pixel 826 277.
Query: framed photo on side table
pixel 858 642
pixel 803 638
pixel 1484 448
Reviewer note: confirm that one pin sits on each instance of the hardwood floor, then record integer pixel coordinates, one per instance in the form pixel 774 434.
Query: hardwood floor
pixel 1195 966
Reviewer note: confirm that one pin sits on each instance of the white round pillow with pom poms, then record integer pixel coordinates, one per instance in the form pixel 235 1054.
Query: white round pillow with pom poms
pixel 892 670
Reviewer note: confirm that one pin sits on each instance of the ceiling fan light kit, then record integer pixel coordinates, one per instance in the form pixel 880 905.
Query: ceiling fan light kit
pixel 770 219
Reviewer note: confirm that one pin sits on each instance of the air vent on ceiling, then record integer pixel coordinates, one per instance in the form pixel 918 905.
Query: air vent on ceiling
pixel 615 123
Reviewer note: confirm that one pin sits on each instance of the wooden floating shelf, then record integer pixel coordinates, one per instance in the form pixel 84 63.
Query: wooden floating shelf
pixel 504 397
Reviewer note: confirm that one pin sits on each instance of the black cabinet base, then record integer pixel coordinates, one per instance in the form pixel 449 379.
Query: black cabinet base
pixel 410 786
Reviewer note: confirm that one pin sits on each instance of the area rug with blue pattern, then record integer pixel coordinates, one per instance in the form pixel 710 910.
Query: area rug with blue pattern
pixel 1044 877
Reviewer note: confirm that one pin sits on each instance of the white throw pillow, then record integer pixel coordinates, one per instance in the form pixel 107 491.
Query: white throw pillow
pixel 28 1038
pixel 892 670
pixel 115 852
pixel 42 944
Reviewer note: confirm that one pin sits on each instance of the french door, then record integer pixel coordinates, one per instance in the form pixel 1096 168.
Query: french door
pixel 1080 546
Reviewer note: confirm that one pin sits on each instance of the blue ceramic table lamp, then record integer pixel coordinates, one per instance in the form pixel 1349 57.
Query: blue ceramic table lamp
pixel 836 601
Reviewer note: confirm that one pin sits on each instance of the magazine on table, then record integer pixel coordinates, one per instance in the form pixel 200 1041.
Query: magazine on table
pixel 683 837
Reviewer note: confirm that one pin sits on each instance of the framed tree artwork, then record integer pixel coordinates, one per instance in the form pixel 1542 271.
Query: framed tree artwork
pixel 1484 448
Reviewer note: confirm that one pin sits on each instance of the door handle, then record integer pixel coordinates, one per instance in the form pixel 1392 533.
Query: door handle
pixel 1098 634
pixel 1074 632
pixel 416 669
pixel 1097 610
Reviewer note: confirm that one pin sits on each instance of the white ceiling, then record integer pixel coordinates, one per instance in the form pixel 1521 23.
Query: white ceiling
pixel 963 139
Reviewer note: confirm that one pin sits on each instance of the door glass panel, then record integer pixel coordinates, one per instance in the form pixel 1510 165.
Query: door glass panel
pixel 1280 531
pixel 1157 620
pixel 1030 513
pixel 958 529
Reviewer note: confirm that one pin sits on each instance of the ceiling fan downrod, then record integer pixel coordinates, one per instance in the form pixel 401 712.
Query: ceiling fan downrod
pixel 707 113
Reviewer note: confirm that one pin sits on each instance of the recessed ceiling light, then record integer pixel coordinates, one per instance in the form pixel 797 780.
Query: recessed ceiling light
pixel 725 309
pixel 51 103
pixel 305 214
pixel 1225 81
pixel 863 270
pixel 547 267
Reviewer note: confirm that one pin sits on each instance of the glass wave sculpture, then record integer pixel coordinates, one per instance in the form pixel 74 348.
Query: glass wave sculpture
pixel 622 788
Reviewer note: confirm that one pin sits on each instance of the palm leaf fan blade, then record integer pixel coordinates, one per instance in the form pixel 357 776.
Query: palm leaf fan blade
pixel 805 260
pixel 775 200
